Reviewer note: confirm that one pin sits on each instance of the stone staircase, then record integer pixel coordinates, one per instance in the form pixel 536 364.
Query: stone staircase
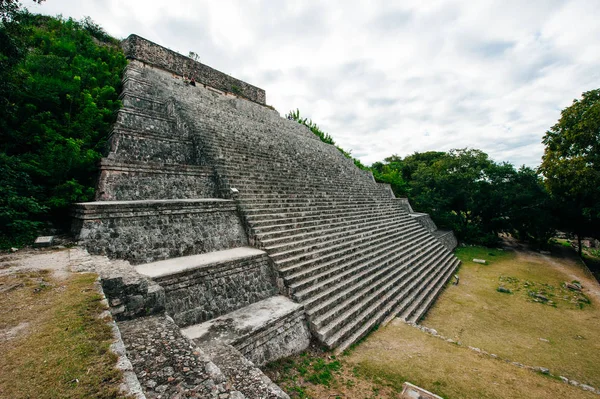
pixel 338 243
pixel 159 205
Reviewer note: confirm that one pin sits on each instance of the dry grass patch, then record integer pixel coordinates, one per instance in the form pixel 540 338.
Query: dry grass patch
pixel 320 374
pixel 53 344
pixel 399 353
pixel 560 335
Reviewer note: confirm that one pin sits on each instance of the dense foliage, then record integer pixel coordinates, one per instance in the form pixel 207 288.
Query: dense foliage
pixel 571 166
pixel 465 191
pixel 59 85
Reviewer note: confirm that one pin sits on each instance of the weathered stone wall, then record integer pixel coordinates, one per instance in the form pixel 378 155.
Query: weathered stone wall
pixel 145 231
pixel 405 204
pixel 205 293
pixel 287 337
pixel 152 54
pixel 129 298
pixel 425 220
pixel 138 181
pixel 387 189
pixel 147 147
pixel 447 238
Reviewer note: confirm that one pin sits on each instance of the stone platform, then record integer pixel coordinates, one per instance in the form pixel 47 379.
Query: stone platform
pixel 200 287
pixel 263 331
pixel 147 230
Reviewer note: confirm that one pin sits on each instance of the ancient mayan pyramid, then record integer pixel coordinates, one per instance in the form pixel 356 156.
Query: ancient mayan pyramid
pixel 231 212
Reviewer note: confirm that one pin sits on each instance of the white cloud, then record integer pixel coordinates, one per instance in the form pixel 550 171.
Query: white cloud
pixel 384 78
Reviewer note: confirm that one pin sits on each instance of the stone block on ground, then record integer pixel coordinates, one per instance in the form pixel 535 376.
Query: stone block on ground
pixel 410 391
pixel 43 241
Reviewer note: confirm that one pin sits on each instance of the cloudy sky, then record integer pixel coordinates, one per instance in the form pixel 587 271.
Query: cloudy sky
pixel 388 77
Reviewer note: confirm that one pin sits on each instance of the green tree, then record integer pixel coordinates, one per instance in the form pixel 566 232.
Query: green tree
pixel 571 166
pixel 467 192
pixel 58 96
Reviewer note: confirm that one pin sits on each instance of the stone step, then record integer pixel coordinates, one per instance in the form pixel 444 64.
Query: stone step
pixel 335 194
pixel 368 318
pixel 148 114
pixel 150 146
pixel 263 331
pixel 132 99
pixel 301 216
pixel 280 227
pixel 275 244
pixel 201 287
pixel 282 236
pixel 324 252
pixel 152 230
pixel 408 304
pixel 299 209
pixel 303 196
pixel 263 172
pixel 430 296
pixel 135 83
pixel 143 120
pixel 308 201
pixel 395 251
pixel 321 303
pixel 330 321
pixel 169 268
pixel 255 173
pixel 300 276
pixel 316 242
pixel 339 188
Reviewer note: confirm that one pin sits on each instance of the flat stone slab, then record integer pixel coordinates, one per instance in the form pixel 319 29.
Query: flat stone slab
pixel 179 265
pixel 482 261
pixel 43 241
pixel 410 391
pixel 231 327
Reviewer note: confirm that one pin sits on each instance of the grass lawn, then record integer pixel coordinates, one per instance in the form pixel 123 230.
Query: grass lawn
pixel 539 323
pixel 513 325
pixel 52 342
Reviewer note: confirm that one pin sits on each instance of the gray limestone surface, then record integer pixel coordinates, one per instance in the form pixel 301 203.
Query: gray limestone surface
pixel 168 365
pixel 169 267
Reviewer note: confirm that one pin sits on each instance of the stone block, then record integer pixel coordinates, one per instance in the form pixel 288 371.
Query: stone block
pixel 43 241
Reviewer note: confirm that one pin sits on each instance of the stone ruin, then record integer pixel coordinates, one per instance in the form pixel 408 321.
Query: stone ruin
pixel 245 235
